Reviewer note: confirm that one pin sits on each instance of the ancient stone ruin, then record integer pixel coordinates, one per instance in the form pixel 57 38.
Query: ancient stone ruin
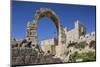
pixel 60 50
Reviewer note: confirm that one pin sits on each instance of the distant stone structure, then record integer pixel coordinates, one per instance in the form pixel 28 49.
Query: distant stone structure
pixel 78 34
pixel 73 35
pixel 49 46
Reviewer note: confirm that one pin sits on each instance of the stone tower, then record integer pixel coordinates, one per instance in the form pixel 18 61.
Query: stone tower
pixel 32 33
pixel 80 30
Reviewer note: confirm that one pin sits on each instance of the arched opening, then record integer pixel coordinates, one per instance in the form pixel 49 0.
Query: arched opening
pixel 44 12
pixel 46 30
pixel 33 27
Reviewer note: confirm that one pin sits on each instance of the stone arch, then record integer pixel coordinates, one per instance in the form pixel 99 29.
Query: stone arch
pixel 43 12
pixel 47 12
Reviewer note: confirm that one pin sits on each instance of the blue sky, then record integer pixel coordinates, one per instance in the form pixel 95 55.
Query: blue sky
pixel 22 12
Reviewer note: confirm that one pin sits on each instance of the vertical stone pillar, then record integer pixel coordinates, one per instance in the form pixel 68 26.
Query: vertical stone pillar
pixel 32 33
pixel 61 47
pixel 59 35
pixel 62 36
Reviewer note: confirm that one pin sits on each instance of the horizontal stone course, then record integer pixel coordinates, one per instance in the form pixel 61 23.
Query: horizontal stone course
pixel 23 52
pixel 26 56
pixel 21 56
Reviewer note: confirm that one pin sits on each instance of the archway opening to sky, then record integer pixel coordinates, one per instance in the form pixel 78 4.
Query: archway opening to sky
pixel 46 29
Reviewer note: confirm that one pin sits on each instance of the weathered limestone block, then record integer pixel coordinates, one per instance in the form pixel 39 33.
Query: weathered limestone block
pixel 19 60
pixel 57 60
pixel 15 52
pixel 34 52
pixel 22 52
pixel 33 59
pixel 22 56
pixel 13 60
pixel 27 59
pixel 61 50
pixel 27 51
pixel 42 60
pixel 49 59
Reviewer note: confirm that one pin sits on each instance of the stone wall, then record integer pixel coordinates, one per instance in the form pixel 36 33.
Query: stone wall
pixel 26 56
pixel 22 56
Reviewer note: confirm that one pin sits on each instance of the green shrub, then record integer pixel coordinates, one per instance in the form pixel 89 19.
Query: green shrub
pixel 81 45
pixel 92 44
pixel 89 56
